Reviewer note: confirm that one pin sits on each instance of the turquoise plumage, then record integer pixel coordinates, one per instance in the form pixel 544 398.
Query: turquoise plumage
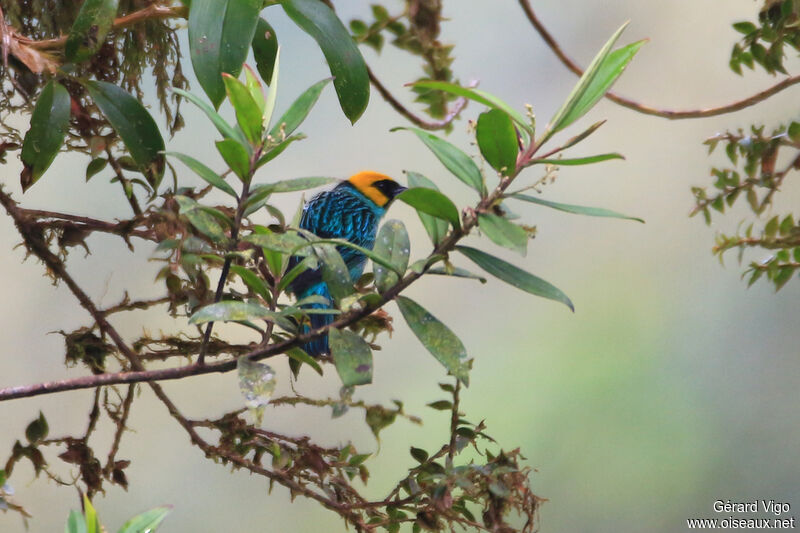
pixel 352 210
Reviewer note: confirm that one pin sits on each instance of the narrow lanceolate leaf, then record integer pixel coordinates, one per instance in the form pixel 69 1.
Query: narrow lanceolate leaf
pixel 431 202
pixel 515 276
pixel 455 272
pixel 297 354
pixel 436 227
pixel 88 32
pixel 232 311
pixel 476 95
pixel 254 87
pixel 147 521
pixel 134 125
pixel 504 233
pixel 578 160
pixel 257 384
pixel 497 140
pixel 227 131
pixel 220 33
pixel 352 357
pixel 201 219
pixel 460 164
pixel 596 80
pixel 393 245
pixel 204 172
pixel 436 337
pixel 90 513
pixel 298 111
pixel 265 49
pixel 576 209
pixel 260 194
pixel 49 123
pixel 248 112
pixel 344 59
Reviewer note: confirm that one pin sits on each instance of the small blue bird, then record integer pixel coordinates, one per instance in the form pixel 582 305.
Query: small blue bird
pixel 351 211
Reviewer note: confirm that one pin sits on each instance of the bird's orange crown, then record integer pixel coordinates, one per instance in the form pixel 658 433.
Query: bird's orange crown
pixel 365 181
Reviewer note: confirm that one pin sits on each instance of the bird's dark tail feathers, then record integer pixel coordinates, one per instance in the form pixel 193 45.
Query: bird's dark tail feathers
pixel 318 346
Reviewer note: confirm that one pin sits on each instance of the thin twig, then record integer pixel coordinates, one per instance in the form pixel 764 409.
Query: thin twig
pixel 455 110
pixel 672 114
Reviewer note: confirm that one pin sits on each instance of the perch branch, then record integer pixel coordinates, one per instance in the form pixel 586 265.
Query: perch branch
pixel 671 114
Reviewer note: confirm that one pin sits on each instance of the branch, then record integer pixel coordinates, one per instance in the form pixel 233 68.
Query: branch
pixel 153 11
pixel 458 106
pixel 671 114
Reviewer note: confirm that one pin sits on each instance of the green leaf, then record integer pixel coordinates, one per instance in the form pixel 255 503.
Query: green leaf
pixel 260 193
pixel 236 157
pixel 352 357
pixel 441 405
pixel 75 523
pixel 285 243
pixel 204 222
pixel 92 522
pixel 49 124
pixel 272 92
pixel 460 164
pixel 95 166
pixel 252 280
pixel 265 49
pixel 248 112
pixel 794 131
pixel 455 272
pixel 497 140
pixel 576 209
pixel 146 522
pixel 88 32
pixel 393 245
pixel 313 241
pixel 419 454
pixel 744 27
pixel 436 337
pixel 254 87
pixel 504 233
pixel 257 384
pixel 596 80
pixel 232 311
pixel 37 430
pixel 431 202
pixel 301 356
pixel 515 276
pixel 344 59
pixel 298 111
pixel 220 33
pixel 436 227
pixel 204 172
pixel 578 160
pixel 476 95
pixel 134 125
pixel 227 131
pixel 334 272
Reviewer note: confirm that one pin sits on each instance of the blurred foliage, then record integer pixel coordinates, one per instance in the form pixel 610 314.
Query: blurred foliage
pixel 760 161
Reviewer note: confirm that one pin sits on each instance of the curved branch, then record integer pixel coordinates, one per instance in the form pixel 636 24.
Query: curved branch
pixel 671 114
pixel 458 107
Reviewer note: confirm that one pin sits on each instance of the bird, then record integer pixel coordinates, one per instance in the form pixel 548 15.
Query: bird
pixel 352 211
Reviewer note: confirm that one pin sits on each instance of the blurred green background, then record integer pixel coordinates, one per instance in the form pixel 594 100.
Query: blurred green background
pixel 672 385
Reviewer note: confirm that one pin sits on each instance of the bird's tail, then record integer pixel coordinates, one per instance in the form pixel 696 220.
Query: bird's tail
pixel 319 345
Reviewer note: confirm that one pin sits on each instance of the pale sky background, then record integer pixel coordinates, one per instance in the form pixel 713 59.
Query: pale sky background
pixel 672 385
